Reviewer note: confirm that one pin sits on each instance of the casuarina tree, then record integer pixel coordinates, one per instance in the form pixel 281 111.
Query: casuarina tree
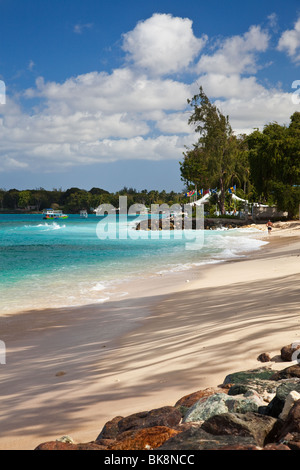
pixel 212 161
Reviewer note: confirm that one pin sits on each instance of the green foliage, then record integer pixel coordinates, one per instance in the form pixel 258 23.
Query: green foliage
pixel 73 200
pixel 218 159
pixel 274 157
pixel 24 199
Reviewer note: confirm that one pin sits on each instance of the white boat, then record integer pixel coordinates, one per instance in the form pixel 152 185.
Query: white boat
pixel 51 214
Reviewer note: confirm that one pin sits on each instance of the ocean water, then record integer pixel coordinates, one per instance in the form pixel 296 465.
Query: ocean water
pixel 78 261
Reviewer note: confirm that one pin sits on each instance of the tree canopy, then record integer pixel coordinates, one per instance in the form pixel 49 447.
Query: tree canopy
pixel 274 158
pixel 214 159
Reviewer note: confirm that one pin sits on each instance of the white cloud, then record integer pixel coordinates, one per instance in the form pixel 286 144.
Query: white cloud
pixel 79 28
pixel 124 90
pixel 174 123
pixel 9 163
pixel 236 54
pixel 218 85
pixel 31 65
pixel 136 112
pixel 256 112
pixel 2 92
pixel 273 21
pixel 290 42
pixel 163 44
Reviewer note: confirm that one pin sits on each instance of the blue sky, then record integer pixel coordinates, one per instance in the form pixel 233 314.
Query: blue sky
pixel 96 91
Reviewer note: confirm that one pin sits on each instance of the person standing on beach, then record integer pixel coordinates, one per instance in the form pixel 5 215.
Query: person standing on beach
pixel 269 226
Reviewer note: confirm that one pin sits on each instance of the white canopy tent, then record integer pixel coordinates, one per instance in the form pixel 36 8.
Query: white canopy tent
pixel 200 201
pixel 238 198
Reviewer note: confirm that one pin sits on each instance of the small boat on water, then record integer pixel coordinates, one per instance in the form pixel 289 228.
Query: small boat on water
pixel 51 214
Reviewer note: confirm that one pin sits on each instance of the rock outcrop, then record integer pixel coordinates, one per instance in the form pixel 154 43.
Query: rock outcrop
pixel 255 409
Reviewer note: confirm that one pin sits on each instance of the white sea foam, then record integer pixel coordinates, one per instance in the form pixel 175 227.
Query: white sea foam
pixel 98 287
pixel 104 299
pixel 47 226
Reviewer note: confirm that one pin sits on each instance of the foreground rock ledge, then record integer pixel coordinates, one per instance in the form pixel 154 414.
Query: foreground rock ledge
pixel 244 413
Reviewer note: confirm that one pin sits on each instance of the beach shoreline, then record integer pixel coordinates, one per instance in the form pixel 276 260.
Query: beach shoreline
pixel 71 370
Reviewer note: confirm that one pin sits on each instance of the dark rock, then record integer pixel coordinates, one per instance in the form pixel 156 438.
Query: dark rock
pixel 275 446
pixel 294 445
pixel 292 440
pixel 244 377
pixel 287 352
pixel 196 438
pixel 167 416
pixel 289 372
pixel 110 429
pixel 105 442
pixel 256 379
pixel 273 409
pixel 276 405
pixel 286 387
pixel 292 423
pixel 239 447
pixel 264 357
pixel 238 389
pixel 253 425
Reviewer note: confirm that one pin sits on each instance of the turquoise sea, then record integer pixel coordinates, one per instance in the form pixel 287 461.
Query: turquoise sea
pixel 65 263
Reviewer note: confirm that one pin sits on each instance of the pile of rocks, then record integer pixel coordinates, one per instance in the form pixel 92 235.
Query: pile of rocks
pixel 179 223
pixel 252 410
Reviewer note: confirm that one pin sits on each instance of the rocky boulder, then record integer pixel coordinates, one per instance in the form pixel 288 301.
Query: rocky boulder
pixel 196 438
pixel 167 416
pixel 287 352
pixel 284 388
pixel 292 423
pixel 264 357
pixel 186 402
pixel 110 429
pixel 222 403
pixel 258 380
pixel 291 399
pixel 261 428
pixel 288 373
pixel 143 439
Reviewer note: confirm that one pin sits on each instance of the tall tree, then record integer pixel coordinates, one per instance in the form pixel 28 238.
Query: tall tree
pixel 212 161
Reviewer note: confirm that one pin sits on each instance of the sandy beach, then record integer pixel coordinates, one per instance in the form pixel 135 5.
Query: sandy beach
pixel 68 371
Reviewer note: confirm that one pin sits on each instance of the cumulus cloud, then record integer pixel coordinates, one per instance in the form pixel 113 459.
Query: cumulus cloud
pixel 236 54
pixel 259 110
pixel 123 90
pixel 163 44
pixel 139 110
pixel 218 85
pixel 290 42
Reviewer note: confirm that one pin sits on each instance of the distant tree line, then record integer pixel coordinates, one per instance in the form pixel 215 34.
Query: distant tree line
pixel 73 200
